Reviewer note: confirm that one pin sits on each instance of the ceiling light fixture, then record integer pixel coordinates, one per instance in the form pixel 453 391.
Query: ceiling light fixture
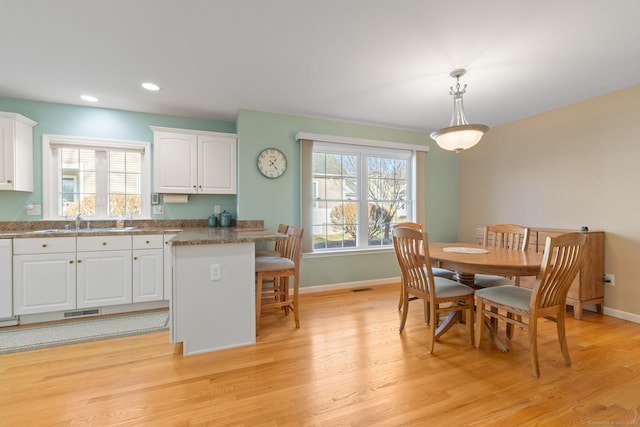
pixel 151 86
pixel 460 135
pixel 89 98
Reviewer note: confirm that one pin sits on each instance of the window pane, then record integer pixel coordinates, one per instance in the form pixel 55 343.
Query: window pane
pixel 388 184
pixel 77 182
pixel 125 193
pixel 335 211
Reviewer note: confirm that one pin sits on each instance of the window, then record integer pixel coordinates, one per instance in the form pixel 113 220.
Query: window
pixel 95 178
pixel 357 194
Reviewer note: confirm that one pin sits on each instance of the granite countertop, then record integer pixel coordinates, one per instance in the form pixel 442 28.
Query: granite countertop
pixel 207 236
pixel 189 232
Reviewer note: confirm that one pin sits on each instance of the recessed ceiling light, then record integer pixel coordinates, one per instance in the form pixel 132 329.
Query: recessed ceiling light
pixel 89 98
pixel 151 86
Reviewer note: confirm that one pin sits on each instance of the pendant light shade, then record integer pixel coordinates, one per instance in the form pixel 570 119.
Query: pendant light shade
pixel 460 135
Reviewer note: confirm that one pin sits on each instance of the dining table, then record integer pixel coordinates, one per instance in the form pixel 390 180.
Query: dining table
pixel 467 260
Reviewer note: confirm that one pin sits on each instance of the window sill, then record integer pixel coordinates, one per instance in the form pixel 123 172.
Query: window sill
pixel 347 252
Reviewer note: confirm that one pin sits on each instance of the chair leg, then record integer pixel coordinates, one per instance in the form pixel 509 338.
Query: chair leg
pixel 479 326
pixel 401 301
pixel 562 337
pixel 509 326
pixel 427 316
pixel 533 346
pixel 469 317
pixel 405 310
pixel 296 311
pixel 283 293
pixel 494 320
pixel 426 310
pixel 434 325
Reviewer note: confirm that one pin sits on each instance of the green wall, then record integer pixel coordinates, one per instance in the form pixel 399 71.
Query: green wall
pixel 278 200
pixel 71 120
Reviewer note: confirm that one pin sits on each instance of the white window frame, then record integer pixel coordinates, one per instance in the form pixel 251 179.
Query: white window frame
pixel 50 180
pixel 371 147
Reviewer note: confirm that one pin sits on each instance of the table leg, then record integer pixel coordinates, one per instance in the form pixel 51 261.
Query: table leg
pixel 465 278
pixel 493 335
pixel 452 319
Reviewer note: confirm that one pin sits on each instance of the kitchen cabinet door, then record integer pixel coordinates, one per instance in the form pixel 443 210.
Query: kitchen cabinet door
pixel 44 282
pixel 216 164
pixel 16 152
pixel 6 286
pixel 104 278
pixel 175 164
pixel 147 275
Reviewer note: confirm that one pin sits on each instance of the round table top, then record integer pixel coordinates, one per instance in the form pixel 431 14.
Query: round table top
pixel 470 258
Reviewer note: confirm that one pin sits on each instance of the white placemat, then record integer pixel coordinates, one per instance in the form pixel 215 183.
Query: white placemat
pixel 464 250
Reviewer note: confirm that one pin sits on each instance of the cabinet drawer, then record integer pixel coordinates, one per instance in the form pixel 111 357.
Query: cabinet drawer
pixel 45 245
pixel 149 241
pixel 104 243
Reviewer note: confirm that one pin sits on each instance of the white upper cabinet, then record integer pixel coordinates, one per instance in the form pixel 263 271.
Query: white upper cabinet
pixel 16 152
pixel 193 162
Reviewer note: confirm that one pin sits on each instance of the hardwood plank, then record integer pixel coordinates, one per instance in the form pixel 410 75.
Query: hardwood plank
pixel 346 365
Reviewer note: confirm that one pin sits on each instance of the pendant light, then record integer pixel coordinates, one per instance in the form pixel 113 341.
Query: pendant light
pixel 460 135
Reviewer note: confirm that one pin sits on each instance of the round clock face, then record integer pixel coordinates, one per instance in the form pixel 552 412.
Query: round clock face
pixel 272 163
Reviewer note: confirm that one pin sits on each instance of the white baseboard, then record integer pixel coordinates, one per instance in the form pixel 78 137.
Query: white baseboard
pixel 621 314
pixel 348 285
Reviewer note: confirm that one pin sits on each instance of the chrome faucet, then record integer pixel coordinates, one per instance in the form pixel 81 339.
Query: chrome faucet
pixel 78 220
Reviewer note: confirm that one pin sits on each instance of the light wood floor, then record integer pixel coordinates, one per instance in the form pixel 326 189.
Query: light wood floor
pixel 347 365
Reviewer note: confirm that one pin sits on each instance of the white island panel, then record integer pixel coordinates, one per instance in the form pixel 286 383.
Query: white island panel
pixel 208 314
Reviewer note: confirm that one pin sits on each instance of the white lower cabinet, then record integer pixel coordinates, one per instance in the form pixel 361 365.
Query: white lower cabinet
pixel 44 275
pixel 148 268
pixel 66 273
pixel 104 271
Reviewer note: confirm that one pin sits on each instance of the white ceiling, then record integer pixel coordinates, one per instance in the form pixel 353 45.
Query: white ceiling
pixel 371 61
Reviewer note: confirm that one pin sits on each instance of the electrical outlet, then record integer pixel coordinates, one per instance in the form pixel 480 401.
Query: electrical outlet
pixel 33 209
pixel 609 279
pixel 158 210
pixel 215 272
pixel 216 209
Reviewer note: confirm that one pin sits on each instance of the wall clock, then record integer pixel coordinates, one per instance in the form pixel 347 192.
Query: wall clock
pixel 272 163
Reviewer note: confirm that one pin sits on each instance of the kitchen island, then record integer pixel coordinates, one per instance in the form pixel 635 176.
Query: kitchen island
pixel 213 291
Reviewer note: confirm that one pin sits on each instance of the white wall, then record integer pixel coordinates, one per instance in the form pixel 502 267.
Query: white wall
pixel 574 166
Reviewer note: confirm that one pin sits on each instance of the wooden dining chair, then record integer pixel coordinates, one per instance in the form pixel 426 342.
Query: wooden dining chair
pixel 272 278
pixel 437 271
pixel 523 307
pixel 440 295
pixel 278 249
pixel 509 236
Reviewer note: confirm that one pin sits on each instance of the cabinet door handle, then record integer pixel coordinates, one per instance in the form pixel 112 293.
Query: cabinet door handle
pixel 79 261
pixel 135 258
pixel 71 261
pixel 9 181
pixel 44 245
pixel 104 243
